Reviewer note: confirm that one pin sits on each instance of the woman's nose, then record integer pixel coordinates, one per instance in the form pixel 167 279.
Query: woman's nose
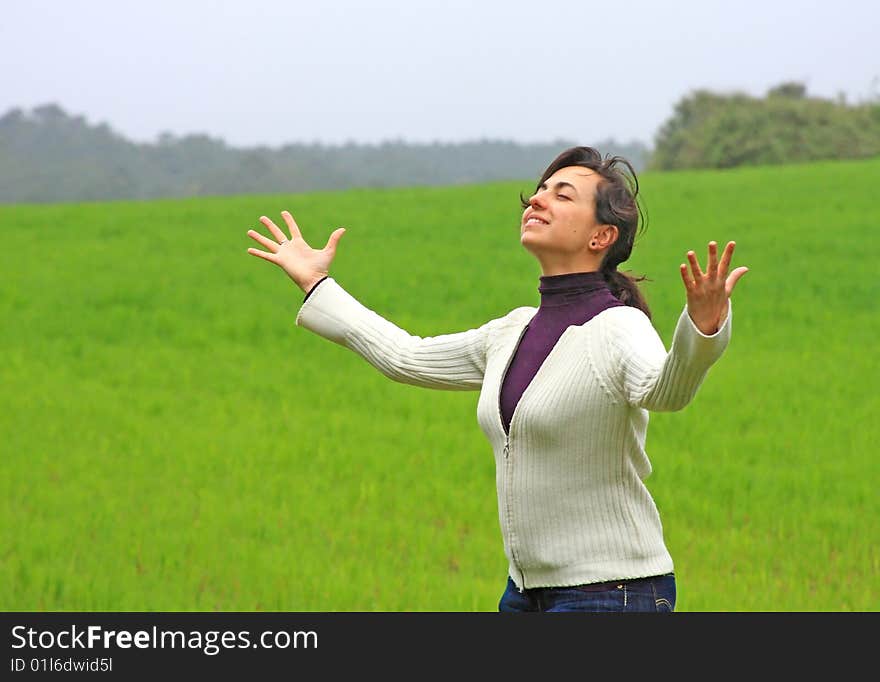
pixel 536 200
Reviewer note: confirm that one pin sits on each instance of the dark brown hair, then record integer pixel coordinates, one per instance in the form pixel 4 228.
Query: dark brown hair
pixel 617 203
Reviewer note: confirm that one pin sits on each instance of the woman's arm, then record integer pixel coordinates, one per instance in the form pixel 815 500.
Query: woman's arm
pixel 648 376
pixel 451 361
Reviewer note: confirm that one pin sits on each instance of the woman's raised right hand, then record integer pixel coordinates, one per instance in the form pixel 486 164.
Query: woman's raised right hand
pixel 303 264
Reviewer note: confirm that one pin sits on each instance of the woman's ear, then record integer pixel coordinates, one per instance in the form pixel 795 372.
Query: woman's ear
pixel 605 237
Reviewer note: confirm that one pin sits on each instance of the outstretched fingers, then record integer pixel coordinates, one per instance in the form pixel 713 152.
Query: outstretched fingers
pixel 262 254
pixel 688 282
pixel 726 258
pixel 695 266
pixel 274 229
pixel 291 224
pixel 262 239
pixel 734 278
pixel 334 239
pixel 265 241
pixel 712 267
pixel 698 283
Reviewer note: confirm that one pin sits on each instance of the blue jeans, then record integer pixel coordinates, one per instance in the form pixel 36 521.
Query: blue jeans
pixel 654 594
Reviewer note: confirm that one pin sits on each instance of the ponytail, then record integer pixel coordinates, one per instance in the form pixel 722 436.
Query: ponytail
pixel 625 288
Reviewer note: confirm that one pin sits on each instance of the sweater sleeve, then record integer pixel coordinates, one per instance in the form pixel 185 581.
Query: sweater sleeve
pixel 649 377
pixel 314 286
pixel 448 362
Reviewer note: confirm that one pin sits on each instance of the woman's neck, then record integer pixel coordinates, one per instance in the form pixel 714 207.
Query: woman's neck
pixel 563 265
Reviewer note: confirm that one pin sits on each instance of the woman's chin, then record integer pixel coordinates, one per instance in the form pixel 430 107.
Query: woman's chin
pixel 530 240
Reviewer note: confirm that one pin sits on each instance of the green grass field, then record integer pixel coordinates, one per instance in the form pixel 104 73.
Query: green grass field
pixel 171 441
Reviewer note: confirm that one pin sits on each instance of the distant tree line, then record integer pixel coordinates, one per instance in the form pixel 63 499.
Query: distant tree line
pixel 711 130
pixel 48 155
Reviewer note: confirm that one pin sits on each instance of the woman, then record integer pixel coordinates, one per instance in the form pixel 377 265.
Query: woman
pixel 564 390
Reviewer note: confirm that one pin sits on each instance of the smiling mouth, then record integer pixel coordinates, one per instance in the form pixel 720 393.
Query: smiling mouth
pixel 536 221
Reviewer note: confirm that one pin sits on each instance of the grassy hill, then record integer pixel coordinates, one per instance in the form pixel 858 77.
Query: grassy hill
pixel 171 441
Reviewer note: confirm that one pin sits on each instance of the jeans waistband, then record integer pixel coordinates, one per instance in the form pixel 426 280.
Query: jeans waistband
pixel 613 584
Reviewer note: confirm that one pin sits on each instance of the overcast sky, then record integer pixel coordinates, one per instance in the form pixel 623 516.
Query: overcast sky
pixel 274 71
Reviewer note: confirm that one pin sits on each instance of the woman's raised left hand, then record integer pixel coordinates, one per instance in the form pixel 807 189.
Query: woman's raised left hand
pixel 707 292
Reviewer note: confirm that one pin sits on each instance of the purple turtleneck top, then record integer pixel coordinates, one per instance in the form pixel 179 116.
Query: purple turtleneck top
pixel 569 299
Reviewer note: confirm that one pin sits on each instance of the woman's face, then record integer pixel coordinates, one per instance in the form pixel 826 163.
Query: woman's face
pixel 560 219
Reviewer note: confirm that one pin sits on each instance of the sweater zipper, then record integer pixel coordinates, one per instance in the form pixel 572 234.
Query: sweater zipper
pixel 500 386
pixel 507 463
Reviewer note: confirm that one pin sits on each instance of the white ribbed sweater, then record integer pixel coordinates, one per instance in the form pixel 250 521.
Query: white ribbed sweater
pixel 572 504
